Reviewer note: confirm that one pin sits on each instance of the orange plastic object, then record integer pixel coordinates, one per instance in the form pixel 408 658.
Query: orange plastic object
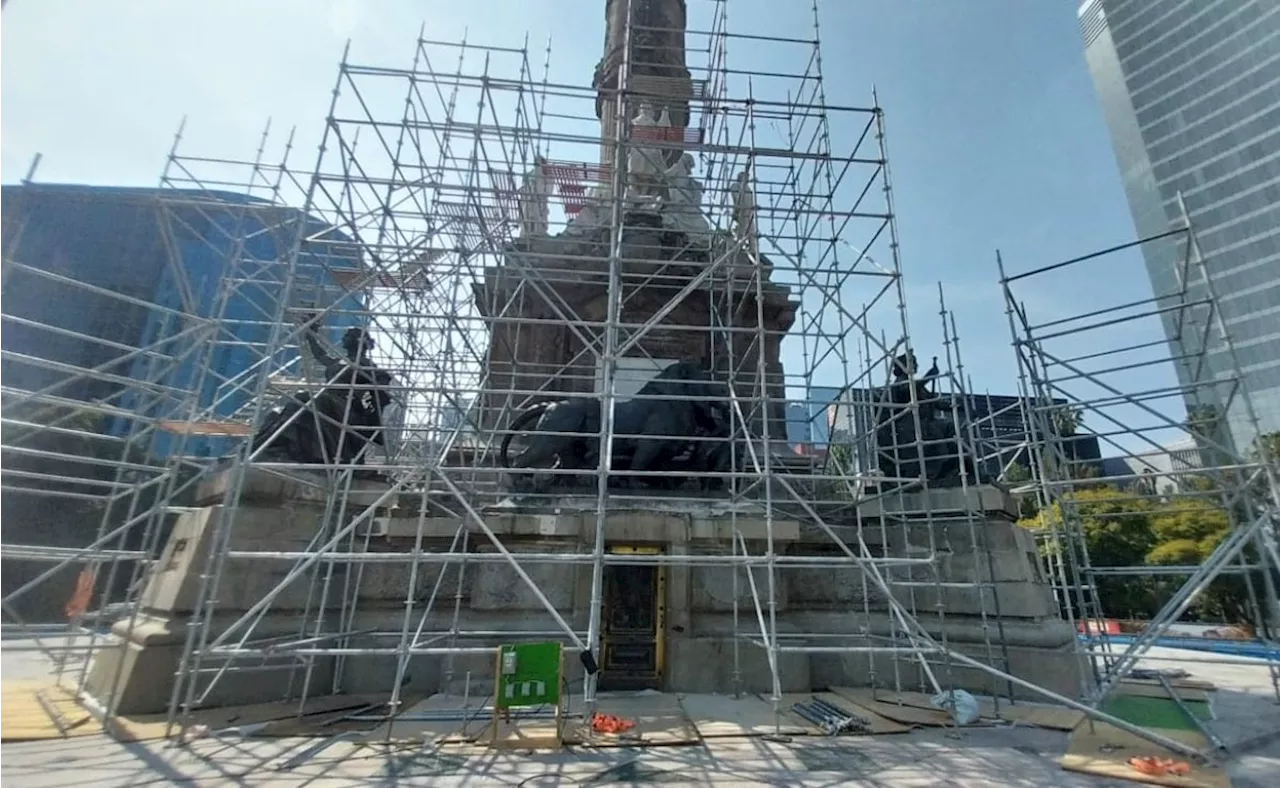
pixel 1158 766
pixel 607 723
pixel 79 601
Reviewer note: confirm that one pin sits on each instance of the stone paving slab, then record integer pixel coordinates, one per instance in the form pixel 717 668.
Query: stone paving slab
pixel 1010 755
pixel 724 716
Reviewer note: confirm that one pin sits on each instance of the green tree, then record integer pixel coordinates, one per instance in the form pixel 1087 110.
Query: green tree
pixel 1027 502
pixel 1194 520
pixel 1120 529
pixel 1187 532
pixel 1266 448
pixel 1017 474
pixel 1066 420
pixel 1202 420
pixel 1116 527
pixel 840 462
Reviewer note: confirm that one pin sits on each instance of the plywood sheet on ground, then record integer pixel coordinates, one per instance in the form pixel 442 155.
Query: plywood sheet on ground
pixel 659 719
pixel 920 700
pixel 1185 683
pixel 330 723
pixel 471 721
pixel 903 713
pixel 153 726
pixel 1042 716
pixel 1145 690
pixel 1104 750
pixel 724 716
pixel 24 717
pixel 879 723
pixel 538 734
pixel 1056 718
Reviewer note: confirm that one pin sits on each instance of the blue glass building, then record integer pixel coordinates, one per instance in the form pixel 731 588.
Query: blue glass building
pixel 1190 90
pixel 231 254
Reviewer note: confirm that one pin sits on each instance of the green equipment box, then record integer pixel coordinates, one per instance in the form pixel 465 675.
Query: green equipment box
pixel 529 674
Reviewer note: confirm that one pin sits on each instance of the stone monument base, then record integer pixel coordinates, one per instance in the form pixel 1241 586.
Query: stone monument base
pixel 276 512
pixel 667 627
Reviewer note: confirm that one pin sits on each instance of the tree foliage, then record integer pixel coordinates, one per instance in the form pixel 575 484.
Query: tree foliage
pixel 1066 420
pixel 1123 529
pixel 1017 474
pixel 1202 420
pixel 1266 448
pixel 1135 528
pixel 841 461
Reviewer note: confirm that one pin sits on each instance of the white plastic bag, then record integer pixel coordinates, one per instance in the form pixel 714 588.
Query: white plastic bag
pixel 962 705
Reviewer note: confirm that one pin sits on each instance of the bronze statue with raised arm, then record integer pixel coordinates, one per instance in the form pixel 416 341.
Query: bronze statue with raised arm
pixel 345 415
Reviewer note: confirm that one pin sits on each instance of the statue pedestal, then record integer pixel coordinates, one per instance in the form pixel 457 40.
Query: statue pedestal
pixel 696 604
pixel 692 641
pixel 275 513
pixel 1010 606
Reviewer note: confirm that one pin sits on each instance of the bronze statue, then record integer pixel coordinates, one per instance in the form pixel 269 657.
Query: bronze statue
pixel 345 417
pixel 650 434
pixel 899 455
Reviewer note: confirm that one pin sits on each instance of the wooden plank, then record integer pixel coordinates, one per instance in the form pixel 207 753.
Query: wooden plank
pixel 330 723
pixel 231 429
pixel 1184 683
pixel 151 727
pixel 526 735
pixel 1056 718
pixel 903 713
pixel 473 720
pixel 24 717
pixel 1042 716
pixel 919 700
pixel 1144 689
pixel 1103 750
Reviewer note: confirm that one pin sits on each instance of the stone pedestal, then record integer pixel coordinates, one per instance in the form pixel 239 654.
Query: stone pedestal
pixel 494 605
pixel 1027 638
pixel 275 513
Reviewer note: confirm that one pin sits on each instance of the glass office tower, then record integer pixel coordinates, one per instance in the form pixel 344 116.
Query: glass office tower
pixel 1190 90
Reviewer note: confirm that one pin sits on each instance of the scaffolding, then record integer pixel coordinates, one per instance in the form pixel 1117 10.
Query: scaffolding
pixel 419 224
pixel 83 488
pixel 132 376
pixel 1155 379
pixel 432 209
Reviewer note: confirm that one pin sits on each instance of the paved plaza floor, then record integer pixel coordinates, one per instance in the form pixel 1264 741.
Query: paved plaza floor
pixel 1246 711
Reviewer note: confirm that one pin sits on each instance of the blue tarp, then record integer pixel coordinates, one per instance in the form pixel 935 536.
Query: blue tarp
pixel 1239 648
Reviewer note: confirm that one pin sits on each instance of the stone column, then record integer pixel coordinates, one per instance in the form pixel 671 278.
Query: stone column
pixel 658 70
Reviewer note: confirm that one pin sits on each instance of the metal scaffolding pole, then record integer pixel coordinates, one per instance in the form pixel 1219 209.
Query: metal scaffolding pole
pixel 1176 465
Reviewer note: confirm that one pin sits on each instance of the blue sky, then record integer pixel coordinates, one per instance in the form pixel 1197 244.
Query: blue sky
pixel 995 137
